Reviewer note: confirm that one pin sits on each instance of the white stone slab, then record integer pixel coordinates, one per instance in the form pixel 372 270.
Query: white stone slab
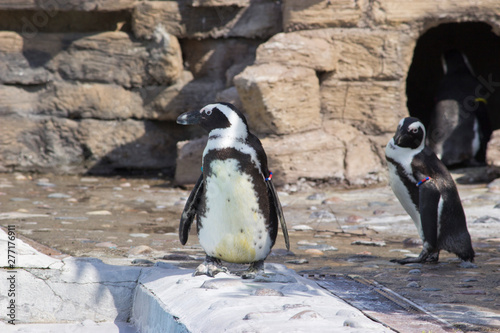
pixel 172 300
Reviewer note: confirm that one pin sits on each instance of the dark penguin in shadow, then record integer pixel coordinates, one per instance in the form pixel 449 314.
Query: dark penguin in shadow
pixel 426 190
pixel 459 128
pixel 235 202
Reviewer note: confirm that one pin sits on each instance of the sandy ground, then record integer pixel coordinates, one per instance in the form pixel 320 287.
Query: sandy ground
pixel 333 232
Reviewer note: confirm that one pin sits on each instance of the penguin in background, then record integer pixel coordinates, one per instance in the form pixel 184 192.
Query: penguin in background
pixel 236 205
pixel 426 190
pixel 459 128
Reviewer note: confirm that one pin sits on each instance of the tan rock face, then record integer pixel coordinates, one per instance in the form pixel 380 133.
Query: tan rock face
pixel 98 84
pixel 302 49
pixel 301 15
pixel 113 57
pixel 258 19
pixel 279 99
pixel 373 106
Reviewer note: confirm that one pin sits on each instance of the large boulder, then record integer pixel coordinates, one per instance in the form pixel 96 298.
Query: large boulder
pixel 315 14
pixel 375 107
pixel 114 57
pixel 310 49
pixel 280 99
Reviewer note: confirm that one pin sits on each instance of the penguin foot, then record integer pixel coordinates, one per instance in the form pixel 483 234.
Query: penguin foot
pixel 424 257
pixel 210 267
pixel 252 271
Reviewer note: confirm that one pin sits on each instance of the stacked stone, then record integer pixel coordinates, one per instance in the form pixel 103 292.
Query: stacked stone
pixel 97 85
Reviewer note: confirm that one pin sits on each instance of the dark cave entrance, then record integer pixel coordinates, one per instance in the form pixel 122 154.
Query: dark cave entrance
pixel 480 45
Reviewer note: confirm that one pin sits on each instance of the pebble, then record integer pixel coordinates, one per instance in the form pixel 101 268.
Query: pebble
pixel 415 271
pixel 413 284
pixel 320 247
pixel 107 244
pixel 431 289
pixel 58 196
pixel 368 243
pixel 353 219
pixel 331 200
pixel 301 227
pixel 141 249
pixel 297 261
pixel 20 177
pixel 45 184
pixel 77 218
pixel 89 180
pixel 316 196
pixel 19 199
pixel 139 235
pixel 323 215
pixel 305 242
pixel 314 252
pixel 99 212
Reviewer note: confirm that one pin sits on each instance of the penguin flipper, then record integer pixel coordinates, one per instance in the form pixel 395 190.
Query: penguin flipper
pixel 189 212
pixel 279 210
pixel 429 197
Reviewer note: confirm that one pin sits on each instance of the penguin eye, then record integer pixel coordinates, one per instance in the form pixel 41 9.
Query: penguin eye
pixel 208 112
pixel 414 130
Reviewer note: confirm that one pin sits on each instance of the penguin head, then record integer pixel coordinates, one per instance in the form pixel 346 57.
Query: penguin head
pixel 410 134
pixel 219 118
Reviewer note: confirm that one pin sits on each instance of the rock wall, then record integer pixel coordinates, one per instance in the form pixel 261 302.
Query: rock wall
pixel 96 85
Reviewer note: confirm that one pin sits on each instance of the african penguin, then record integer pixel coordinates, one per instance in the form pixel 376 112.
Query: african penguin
pixel 425 189
pixel 235 202
pixel 459 128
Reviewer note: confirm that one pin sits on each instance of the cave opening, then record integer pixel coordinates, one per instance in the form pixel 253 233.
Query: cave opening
pixel 482 48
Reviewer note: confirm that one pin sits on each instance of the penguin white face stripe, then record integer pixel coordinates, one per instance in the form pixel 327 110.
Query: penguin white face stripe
pixel 238 129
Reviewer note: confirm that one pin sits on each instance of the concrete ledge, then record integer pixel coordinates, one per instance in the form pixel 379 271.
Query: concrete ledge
pixel 87 295
pixel 172 300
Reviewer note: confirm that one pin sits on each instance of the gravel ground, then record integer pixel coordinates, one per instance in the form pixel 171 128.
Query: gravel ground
pixel 332 231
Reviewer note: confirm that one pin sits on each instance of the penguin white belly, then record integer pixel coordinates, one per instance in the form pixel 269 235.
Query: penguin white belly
pixel 403 195
pixel 233 227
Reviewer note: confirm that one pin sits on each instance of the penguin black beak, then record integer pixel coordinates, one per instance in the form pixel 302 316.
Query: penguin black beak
pixel 189 118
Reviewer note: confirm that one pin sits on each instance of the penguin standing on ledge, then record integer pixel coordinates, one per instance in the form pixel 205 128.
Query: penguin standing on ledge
pixel 235 202
pixel 425 189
